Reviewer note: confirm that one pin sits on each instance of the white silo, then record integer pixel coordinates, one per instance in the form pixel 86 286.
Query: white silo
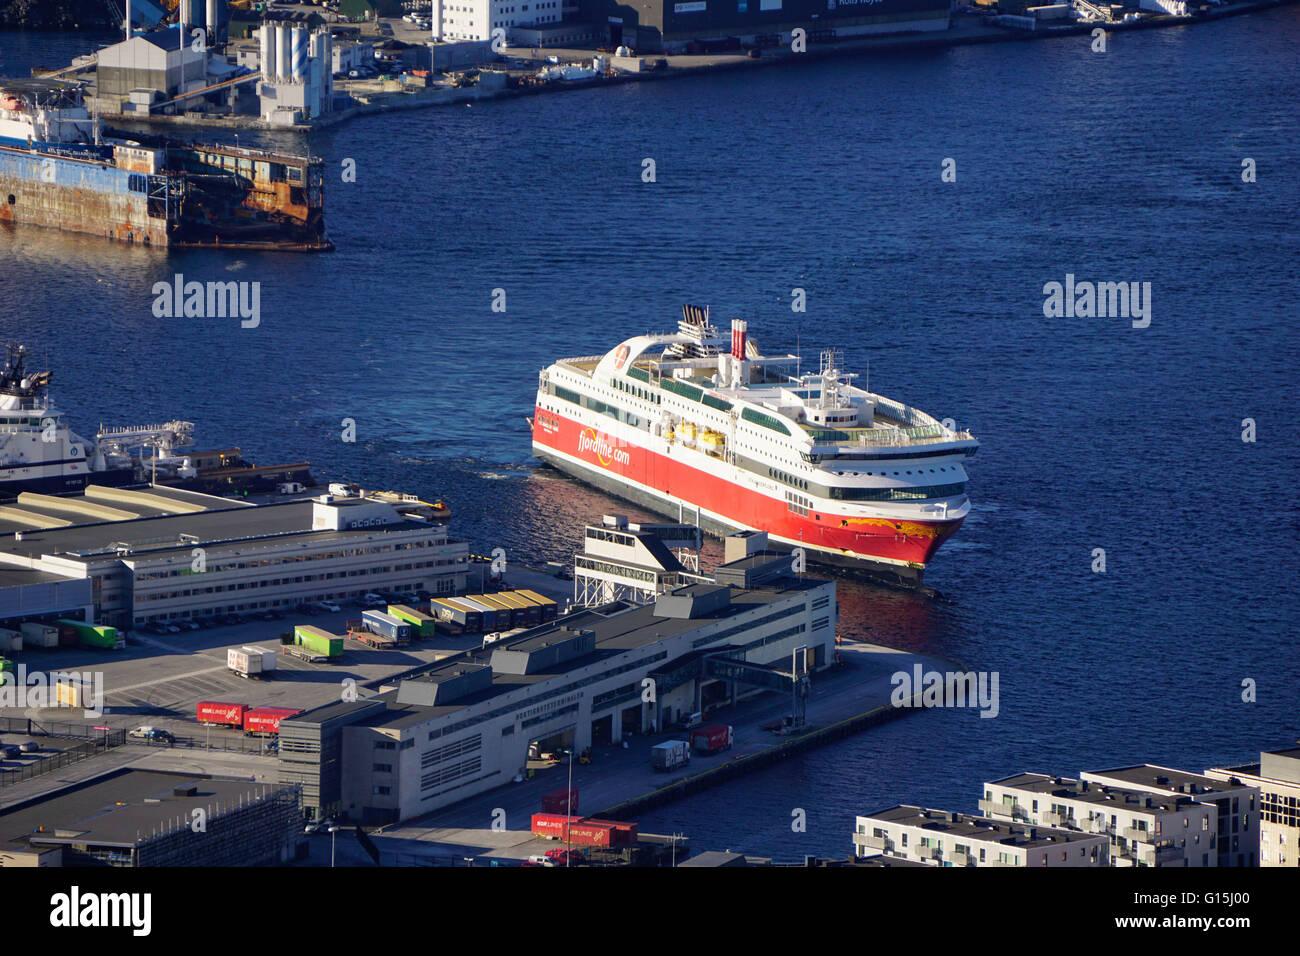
pixel 282 61
pixel 299 52
pixel 268 51
pixel 211 21
pixel 185 16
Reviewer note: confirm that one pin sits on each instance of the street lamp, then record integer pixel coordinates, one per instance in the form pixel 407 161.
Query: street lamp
pixel 332 831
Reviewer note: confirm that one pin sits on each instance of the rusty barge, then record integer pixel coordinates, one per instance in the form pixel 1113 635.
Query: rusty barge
pixel 58 170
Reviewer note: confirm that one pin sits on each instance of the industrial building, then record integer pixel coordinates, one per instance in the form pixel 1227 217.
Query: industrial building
pixel 940 838
pixel 131 818
pixel 1237 804
pixel 1277 778
pixel 463 725
pixel 670 25
pixel 161 62
pixel 162 553
pixel 297 70
pixel 623 561
pixel 1144 829
pixel 476 19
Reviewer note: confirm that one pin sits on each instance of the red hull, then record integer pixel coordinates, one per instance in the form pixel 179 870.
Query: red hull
pixel 842 538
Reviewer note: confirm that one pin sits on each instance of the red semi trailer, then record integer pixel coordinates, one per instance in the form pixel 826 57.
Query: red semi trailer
pixel 553 826
pixel 266 720
pixel 221 714
pixel 711 739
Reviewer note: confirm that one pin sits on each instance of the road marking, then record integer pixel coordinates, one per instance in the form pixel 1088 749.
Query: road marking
pixel 163 680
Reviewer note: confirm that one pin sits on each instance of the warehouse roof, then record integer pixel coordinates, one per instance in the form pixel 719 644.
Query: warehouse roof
pixel 219 528
pixel 122 808
pixel 617 628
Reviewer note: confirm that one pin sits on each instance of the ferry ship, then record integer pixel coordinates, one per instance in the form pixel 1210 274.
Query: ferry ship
pixel 712 431
pixel 57 170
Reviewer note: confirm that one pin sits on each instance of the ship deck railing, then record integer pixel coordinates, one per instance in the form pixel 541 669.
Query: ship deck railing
pixel 887 435
pixel 586 364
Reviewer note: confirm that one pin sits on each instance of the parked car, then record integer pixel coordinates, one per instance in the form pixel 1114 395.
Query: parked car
pixel 29 746
pixel 188 625
pixel 566 857
pixel 329 606
pixel 172 628
pixel 538 860
pixel 151 733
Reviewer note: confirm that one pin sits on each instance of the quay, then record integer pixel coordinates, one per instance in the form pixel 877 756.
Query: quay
pixel 513 77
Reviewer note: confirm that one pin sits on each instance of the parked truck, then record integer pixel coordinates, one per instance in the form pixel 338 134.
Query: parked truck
pixel 251 661
pixel 670 755
pixel 318 642
pixel 265 721
pixel 94 635
pixel 711 739
pixel 220 713
pixel 386 625
pixel 41 635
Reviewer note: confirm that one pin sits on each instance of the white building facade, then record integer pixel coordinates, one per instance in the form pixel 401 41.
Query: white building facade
pixel 476 19
pixel 940 838
pixel 1144 829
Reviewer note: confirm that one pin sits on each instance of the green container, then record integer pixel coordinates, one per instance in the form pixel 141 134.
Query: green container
pixel 318 641
pixel 421 624
pixel 93 635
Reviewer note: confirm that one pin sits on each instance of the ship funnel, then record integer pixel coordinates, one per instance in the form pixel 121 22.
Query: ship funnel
pixel 739 335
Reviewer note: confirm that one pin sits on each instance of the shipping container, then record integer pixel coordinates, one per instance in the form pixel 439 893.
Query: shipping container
pixel 40 635
pixel 505 613
pixel 560 801
pixel 380 622
pixel 266 720
pixel 251 661
pixel 422 625
pixel 525 612
pixel 494 619
pixel 711 738
pixel 552 825
pixel 451 612
pixel 670 755
pixel 589 833
pixel 318 641
pixel 624 834
pixel 549 609
pixel 10 640
pixel 93 635
pixel 221 713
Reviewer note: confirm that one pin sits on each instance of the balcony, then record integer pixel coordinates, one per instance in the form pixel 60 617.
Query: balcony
pixel 963 858
pixel 1134 835
pixel 929 852
pixel 1062 820
pixel 883 843
pixel 1003 811
pixel 1149 855
pixel 1094 825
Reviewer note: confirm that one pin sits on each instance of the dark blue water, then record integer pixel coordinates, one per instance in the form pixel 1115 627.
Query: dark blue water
pixel 825 176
